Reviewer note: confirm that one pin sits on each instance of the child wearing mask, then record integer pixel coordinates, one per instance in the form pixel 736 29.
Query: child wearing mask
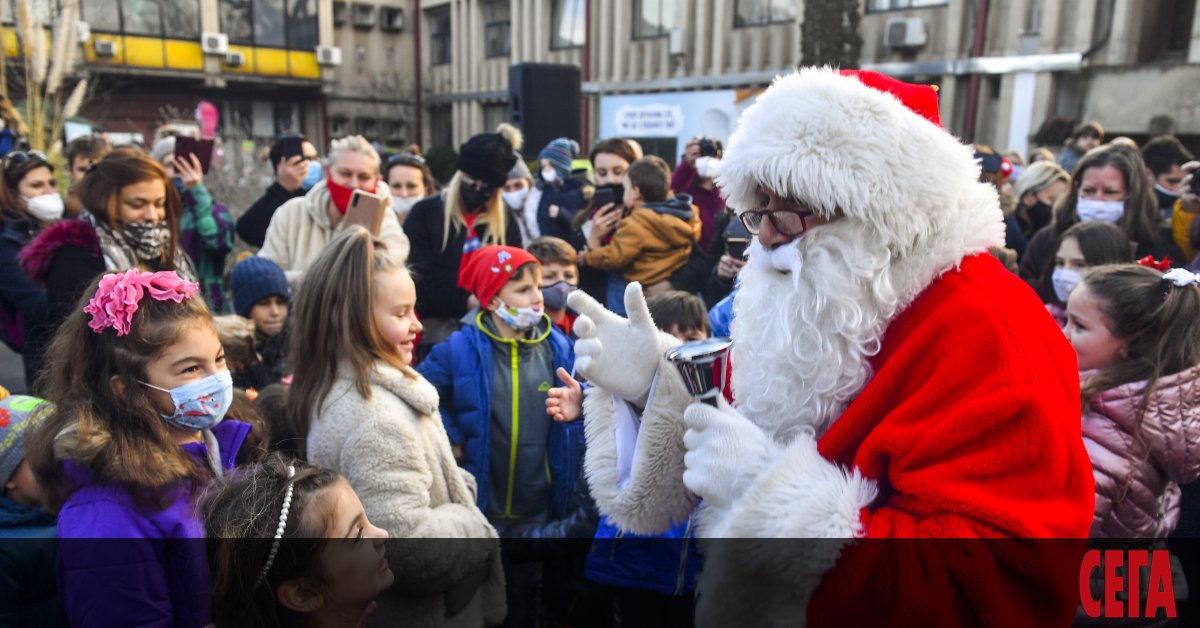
pixel 290 545
pixel 656 236
pixel 261 293
pixel 560 277
pixel 1083 246
pixel 492 378
pixel 562 195
pixel 1136 332
pixel 141 389
pixel 28 592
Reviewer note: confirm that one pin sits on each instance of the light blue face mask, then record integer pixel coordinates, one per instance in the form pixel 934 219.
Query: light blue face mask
pixel 315 173
pixel 201 404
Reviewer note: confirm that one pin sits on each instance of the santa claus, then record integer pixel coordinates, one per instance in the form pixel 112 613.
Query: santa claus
pixel 891 380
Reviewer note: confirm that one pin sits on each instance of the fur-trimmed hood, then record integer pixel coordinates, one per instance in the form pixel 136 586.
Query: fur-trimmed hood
pixel 36 256
pixel 833 143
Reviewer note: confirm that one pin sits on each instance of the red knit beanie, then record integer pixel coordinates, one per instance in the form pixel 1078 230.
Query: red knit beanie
pixel 486 270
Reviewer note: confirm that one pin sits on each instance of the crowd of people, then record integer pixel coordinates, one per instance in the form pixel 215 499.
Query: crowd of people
pixel 386 426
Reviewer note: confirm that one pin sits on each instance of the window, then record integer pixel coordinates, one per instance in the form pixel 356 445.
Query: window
pixel 339 126
pixel 368 128
pixel 276 23
pixel 653 18
pixel 302 24
pixel 157 18
pixel 393 131
pixel 439 35
pixel 364 16
pixel 340 11
pixel 893 5
pixel 393 19
pixel 567 22
pixel 498 22
pixel 441 127
pixel 763 12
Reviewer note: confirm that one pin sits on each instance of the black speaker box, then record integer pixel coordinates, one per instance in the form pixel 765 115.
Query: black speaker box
pixel 544 101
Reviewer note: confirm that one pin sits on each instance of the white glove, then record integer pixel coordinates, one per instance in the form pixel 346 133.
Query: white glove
pixel 725 452
pixel 635 345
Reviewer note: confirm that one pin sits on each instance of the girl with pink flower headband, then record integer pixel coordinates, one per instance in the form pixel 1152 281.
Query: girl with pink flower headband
pixel 138 379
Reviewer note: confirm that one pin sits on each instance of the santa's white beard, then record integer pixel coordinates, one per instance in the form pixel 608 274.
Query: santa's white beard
pixel 807 317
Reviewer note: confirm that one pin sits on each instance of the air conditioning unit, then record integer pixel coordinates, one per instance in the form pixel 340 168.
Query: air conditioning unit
pixel 905 33
pixel 106 48
pixel 235 59
pixel 83 32
pixel 329 55
pixel 676 43
pixel 214 43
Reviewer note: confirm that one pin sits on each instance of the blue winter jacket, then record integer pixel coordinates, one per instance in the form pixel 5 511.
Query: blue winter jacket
pixel 461 369
pixel 666 563
pixel 569 198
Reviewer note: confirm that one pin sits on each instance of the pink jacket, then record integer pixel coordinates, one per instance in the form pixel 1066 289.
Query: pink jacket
pixel 1137 484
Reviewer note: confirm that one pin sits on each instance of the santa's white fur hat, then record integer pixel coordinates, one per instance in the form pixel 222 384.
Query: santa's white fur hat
pixel 831 142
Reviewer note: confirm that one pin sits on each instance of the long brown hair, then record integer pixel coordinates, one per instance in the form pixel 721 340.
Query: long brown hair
pixel 240 521
pixel 100 190
pixel 335 324
pixel 1159 322
pixel 1141 207
pixel 120 438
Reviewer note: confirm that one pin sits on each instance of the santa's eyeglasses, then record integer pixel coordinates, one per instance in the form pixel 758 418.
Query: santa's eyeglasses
pixel 788 222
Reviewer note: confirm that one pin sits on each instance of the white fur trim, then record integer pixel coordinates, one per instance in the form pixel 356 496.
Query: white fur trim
pixel 831 142
pixel 654 496
pixel 800 495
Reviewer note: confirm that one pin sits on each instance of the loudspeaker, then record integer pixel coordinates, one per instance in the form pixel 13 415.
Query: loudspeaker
pixel 544 101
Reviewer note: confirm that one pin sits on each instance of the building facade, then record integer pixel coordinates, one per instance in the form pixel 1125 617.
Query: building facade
pixel 665 69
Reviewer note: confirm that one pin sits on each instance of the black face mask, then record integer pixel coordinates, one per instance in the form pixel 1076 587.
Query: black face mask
pixel 473 198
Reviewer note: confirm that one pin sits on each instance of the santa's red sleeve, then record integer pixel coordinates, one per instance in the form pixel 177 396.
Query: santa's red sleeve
pixel 969 429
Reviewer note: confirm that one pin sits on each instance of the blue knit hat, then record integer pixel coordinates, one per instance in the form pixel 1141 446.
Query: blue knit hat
pixel 560 152
pixel 254 279
pixel 17 417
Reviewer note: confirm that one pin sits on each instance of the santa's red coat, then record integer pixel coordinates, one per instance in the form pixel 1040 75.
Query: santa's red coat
pixel 970 427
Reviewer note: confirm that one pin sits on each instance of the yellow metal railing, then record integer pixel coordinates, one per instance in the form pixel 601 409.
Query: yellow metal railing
pixel 184 55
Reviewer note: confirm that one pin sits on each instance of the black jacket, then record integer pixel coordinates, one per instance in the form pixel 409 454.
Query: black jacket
pixel 435 270
pixel 252 226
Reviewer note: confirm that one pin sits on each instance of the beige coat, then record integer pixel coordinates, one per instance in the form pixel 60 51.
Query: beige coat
pixel 300 230
pixel 394 451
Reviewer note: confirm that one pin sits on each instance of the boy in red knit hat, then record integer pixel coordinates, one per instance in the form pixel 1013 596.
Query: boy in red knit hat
pixel 492 377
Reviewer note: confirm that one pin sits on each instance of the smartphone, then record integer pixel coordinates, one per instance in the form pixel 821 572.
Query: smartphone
pixel 291 146
pixel 736 247
pixel 367 210
pixel 202 149
pixel 602 197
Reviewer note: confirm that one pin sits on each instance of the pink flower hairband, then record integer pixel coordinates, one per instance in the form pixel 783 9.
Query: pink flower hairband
pixel 117 297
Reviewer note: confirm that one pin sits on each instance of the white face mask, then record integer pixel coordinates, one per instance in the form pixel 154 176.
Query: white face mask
pixel 516 198
pixel 706 167
pixel 520 318
pixel 1159 188
pixel 404 205
pixel 1102 211
pixel 45 207
pixel 1064 280
pixel 549 175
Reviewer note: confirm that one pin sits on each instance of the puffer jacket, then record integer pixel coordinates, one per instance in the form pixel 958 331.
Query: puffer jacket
pixel 652 242
pixel 1137 483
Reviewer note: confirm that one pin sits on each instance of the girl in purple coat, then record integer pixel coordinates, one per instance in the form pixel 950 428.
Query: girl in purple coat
pixel 140 387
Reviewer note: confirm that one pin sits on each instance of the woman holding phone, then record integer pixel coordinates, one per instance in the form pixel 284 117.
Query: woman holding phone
pixel 301 227
pixel 206 228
